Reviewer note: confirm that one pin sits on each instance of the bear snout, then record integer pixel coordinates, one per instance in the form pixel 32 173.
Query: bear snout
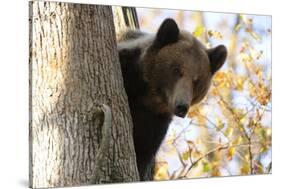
pixel 181 110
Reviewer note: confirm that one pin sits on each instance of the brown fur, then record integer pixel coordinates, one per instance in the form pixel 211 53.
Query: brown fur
pixel 164 74
pixel 181 69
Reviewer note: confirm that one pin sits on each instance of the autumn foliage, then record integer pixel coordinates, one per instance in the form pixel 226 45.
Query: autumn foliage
pixel 229 133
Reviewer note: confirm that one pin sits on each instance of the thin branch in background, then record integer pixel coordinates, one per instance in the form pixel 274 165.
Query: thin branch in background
pixel 180 157
pixel 202 157
pixel 212 123
pixel 185 171
pixel 190 157
pixel 237 120
pixel 265 107
pixel 250 156
pixel 228 169
pixel 173 140
pixel 256 122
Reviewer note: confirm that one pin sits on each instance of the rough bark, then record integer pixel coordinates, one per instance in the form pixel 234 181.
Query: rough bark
pixel 80 124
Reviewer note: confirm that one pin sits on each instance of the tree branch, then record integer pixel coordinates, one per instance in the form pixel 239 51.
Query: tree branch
pixel 102 153
pixel 184 173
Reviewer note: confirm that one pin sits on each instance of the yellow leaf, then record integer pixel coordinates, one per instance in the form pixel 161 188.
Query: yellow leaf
pixel 237 27
pixel 239 140
pixel 245 169
pixel 239 84
pixel 186 155
pixel 220 125
pixel 206 167
pixel 199 30
pixel 193 113
pixel 214 34
pixel 161 171
pixel 255 35
pixel 230 153
pixel 190 143
pixel 263 149
pixel 229 131
pixel 268 132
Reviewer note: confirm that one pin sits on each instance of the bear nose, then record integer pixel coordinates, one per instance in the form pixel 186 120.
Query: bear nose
pixel 181 110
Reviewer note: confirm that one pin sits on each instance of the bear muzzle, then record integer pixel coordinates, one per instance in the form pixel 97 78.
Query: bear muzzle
pixel 181 110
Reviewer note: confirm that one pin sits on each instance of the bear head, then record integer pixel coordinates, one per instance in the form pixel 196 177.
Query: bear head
pixel 178 69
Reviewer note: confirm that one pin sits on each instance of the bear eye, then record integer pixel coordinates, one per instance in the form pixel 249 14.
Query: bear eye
pixel 178 72
pixel 195 82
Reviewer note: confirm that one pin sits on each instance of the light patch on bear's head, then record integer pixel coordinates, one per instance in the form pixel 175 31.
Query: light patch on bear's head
pixel 187 37
pixel 178 69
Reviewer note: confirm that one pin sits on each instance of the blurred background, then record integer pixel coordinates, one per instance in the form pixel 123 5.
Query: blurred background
pixel 229 132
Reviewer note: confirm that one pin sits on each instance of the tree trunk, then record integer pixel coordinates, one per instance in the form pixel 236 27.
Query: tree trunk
pixel 125 18
pixel 80 123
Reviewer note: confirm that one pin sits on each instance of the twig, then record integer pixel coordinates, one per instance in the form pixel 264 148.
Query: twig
pixel 250 156
pixel 180 157
pixel 222 147
pixel 212 123
pixel 200 158
pixel 182 131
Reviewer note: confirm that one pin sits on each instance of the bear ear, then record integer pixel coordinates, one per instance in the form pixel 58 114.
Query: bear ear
pixel 217 57
pixel 167 33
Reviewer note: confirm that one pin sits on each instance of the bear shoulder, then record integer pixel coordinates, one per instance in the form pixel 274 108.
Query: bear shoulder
pixel 130 34
pixel 130 46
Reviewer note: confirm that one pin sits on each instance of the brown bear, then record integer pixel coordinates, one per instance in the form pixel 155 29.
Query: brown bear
pixel 164 74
